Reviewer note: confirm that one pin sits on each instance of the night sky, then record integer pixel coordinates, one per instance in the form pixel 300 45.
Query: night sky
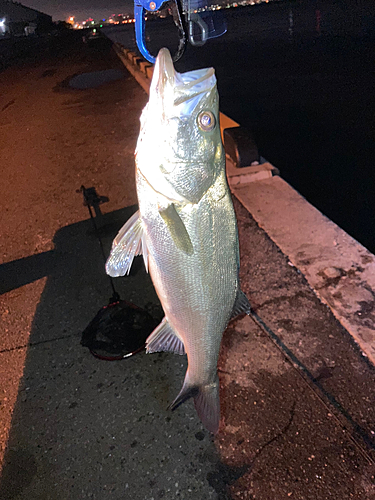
pixel 81 9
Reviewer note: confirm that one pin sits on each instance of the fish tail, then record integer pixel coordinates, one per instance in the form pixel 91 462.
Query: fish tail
pixel 206 402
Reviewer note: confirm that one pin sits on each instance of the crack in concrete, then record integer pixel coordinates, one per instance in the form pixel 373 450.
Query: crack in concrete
pixel 283 431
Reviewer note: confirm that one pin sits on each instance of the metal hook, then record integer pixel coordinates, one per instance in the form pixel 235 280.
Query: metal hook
pixel 140 7
pixel 194 18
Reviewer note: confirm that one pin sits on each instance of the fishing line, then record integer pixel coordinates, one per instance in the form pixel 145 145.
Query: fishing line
pixel 314 385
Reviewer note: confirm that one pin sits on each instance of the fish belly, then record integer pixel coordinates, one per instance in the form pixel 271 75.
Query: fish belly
pixel 197 290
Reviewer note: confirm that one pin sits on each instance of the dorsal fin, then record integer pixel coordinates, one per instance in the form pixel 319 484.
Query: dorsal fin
pixel 241 305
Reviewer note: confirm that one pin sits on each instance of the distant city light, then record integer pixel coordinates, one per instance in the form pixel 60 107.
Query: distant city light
pixel 114 19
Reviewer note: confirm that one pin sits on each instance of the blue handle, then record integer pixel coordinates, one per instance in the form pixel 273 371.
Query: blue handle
pixel 139 15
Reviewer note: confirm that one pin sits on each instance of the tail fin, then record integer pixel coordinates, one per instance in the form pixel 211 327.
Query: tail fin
pixel 206 401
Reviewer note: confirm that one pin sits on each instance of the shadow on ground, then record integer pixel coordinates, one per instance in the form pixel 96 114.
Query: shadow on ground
pixel 85 428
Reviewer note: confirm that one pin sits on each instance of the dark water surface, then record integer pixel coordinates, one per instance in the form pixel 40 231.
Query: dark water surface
pixel 301 76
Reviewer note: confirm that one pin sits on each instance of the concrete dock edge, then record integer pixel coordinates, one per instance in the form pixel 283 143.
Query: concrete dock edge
pixel 337 267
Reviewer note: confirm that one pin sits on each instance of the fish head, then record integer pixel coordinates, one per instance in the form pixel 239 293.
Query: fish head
pixel 179 149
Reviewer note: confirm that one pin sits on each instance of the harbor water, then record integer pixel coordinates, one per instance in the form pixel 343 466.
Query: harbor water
pixel 301 77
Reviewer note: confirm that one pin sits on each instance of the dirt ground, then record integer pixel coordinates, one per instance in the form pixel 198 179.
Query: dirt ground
pixel 53 139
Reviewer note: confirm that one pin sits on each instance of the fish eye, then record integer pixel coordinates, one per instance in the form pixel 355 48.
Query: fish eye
pixel 206 121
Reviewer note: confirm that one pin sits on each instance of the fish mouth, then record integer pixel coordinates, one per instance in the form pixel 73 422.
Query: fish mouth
pixel 164 72
pixel 178 88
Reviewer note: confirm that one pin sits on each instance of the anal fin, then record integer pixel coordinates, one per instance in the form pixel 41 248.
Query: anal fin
pixel 164 338
pixel 129 242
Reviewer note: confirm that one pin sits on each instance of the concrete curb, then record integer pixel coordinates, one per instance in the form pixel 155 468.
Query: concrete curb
pixel 338 268
pixel 127 57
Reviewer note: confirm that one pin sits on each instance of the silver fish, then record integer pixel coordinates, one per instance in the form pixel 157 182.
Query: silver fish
pixel 185 228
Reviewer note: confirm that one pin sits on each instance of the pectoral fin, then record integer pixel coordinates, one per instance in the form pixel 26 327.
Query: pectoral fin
pixel 129 242
pixel 164 338
pixel 177 229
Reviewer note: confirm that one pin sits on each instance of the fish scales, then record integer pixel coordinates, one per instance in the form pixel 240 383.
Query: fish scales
pixel 185 228
pixel 197 291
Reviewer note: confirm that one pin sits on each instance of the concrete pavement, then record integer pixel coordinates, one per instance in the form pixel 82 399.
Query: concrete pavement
pixel 298 417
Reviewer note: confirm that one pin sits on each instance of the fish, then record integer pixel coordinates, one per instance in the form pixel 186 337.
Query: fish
pixel 185 228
